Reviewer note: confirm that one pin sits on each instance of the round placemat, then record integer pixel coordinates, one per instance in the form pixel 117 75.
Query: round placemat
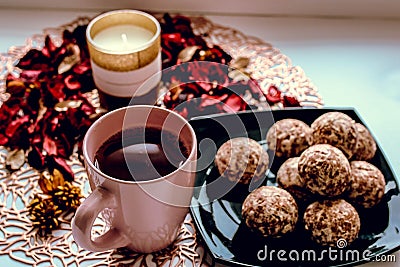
pixel 19 243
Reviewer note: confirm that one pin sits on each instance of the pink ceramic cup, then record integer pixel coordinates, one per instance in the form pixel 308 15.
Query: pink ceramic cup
pixel 144 216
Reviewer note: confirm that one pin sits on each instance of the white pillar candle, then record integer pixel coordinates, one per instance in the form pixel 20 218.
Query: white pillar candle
pixel 122 38
pixel 125 53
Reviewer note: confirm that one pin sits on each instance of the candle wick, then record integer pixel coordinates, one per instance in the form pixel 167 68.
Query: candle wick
pixel 124 38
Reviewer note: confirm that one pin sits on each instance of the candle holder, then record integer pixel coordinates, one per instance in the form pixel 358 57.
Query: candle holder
pixel 125 52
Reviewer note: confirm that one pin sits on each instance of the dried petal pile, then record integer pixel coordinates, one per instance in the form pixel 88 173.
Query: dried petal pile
pixel 44 121
pixel 212 82
pixel 47 114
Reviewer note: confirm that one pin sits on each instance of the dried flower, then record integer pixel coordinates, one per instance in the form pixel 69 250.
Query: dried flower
pixel 273 95
pixel 187 53
pixel 44 215
pixel 15 159
pixel 48 98
pixel 72 58
pixel 49 182
pixel 177 34
pixel 57 197
pixel 290 101
pixel 64 194
pixel 201 88
pixel 67 197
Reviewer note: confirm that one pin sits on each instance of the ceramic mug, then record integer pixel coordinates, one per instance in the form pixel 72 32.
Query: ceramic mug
pixel 144 216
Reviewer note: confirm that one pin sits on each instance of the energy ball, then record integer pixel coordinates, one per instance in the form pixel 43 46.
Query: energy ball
pixel 270 211
pixel 367 187
pixel 289 179
pixel 242 159
pixel 366 146
pixel 336 129
pixel 332 221
pixel 325 170
pixel 289 137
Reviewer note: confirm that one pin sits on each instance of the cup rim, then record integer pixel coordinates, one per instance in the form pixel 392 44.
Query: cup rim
pixel 110 113
pixel 127 52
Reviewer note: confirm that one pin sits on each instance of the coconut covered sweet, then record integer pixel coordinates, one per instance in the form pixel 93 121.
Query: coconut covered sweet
pixel 270 211
pixel 330 221
pixel 289 137
pixel 336 129
pixel 366 145
pixel 242 159
pixel 289 179
pixel 325 170
pixel 367 186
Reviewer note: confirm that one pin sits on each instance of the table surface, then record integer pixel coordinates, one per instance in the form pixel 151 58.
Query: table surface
pixel 353 62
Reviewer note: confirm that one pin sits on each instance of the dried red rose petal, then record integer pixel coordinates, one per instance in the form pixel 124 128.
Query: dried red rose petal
pixel 20 139
pixel 36 158
pixel 14 125
pixel 30 75
pixel 33 60
pixel 49 145
pixel 290 101
pixel 61 165
pixel 82 68
pixel 72 82
pixel 235 103
pixel 273 95
pixel 49 47
pixel 207 100
pixel 3 139
pixel 16 88
pixel 9 110
pixel 56 89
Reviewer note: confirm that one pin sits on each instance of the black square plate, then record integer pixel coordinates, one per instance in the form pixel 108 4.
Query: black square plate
pixel 216 207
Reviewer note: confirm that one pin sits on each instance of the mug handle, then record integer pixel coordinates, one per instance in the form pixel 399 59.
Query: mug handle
pixel 85 216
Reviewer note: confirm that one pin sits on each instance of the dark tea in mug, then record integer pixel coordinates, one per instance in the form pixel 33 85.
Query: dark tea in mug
pixel 141 154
